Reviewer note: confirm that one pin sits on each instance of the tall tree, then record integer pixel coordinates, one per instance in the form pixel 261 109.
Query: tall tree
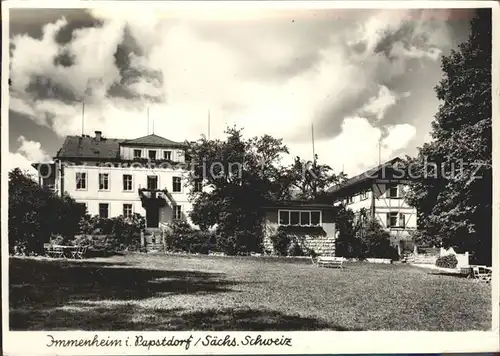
pixel 35 213
pixel 312 179
pixel 239 176
pixel 453 175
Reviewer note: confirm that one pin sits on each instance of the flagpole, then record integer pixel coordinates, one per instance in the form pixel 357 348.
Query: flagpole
pixel 83 117
pixel 209 124
pixel 312 138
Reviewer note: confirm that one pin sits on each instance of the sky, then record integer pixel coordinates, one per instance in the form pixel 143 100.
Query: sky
pixel 353 77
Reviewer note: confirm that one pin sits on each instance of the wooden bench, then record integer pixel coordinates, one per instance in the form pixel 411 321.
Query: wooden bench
pixel 326 261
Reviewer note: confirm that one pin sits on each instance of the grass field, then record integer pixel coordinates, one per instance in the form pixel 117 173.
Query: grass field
pixel 157 292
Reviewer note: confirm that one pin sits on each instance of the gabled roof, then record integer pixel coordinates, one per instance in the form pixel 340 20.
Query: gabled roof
pixel 90 147
pixel 152 140
pixel 364 177
pixel 107 148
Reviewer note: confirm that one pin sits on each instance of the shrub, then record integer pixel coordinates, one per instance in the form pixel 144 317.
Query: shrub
pixel 83 240
pixel 237 242
pixel 448 261
pixel 375 241
pixel 57 240
pixel 182 237
pixel 281 242
pixel 295 249
pixel 35 213
pixel 122 233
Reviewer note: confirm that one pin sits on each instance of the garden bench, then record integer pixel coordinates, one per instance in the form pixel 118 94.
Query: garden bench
pixel 481 274
pixel 326 261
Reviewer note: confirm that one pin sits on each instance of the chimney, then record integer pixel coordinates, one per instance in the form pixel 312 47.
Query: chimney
pixel 98 135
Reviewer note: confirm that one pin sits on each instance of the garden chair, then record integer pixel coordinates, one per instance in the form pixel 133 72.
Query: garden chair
pixel 481 274
pixel 47 249
pixel 57 252
pixel 79 253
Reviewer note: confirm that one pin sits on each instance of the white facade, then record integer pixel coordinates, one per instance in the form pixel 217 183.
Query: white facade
pixel 116 195
pixel 173 154
pixel 115 177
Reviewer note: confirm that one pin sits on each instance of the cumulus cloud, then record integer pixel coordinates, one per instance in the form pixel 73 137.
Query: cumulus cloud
pixel 263 72
pixel 356 147
pixel 379 104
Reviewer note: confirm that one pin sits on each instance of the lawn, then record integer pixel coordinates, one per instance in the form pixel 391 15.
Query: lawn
pixel 165 292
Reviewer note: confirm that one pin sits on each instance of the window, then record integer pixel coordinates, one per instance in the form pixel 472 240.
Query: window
pixel 103 181
pixel 127 182
pixel 137 153
pixel 299 217
pixel 305 218
pixel 364 195
pixel 198 185
pixel 349 200
pixel 284 217
pixel 315 217
pixel 152 182
pixel 177 212
pixel 83 205
pixel 392 219
pixel 127 210
pixel 104 210
pixel 167 155
pixel 81 180
pixel 402 222
pixel 152 154
pixel 176 184
pixel 392 192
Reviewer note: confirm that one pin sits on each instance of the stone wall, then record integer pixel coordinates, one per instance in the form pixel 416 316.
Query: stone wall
pixel 320 243
pixel 319 239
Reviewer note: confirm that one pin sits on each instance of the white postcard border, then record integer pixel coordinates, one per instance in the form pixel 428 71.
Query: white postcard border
pixel 318 342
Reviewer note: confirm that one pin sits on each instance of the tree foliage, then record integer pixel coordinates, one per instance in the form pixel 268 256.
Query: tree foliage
pixel 239 176
pixel 362 236
pixel 36 213
pixel 453 186
pixel 311 179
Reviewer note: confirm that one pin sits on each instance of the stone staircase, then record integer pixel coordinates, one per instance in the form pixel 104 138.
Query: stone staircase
pixel 153 240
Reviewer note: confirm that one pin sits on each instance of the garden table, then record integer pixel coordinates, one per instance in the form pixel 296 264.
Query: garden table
pixel 67 250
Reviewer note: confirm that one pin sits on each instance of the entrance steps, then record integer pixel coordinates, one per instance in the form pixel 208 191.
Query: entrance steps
pixel 152 239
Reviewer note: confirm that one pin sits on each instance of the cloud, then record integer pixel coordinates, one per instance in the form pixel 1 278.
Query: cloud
pixel 379 104
pixel 263 72
pixel 356 148
pixel 91 52
pixel 398 137
pixel 28 152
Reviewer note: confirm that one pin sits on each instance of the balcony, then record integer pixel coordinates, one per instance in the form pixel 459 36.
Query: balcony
pixel 152 196
pixel 160 197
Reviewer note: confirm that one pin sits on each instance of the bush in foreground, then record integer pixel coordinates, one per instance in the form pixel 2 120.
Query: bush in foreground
pixel 448 261
pixel 181 237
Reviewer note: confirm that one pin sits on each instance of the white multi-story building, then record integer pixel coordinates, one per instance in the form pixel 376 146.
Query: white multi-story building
pixel 115 177
pixel 381 192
